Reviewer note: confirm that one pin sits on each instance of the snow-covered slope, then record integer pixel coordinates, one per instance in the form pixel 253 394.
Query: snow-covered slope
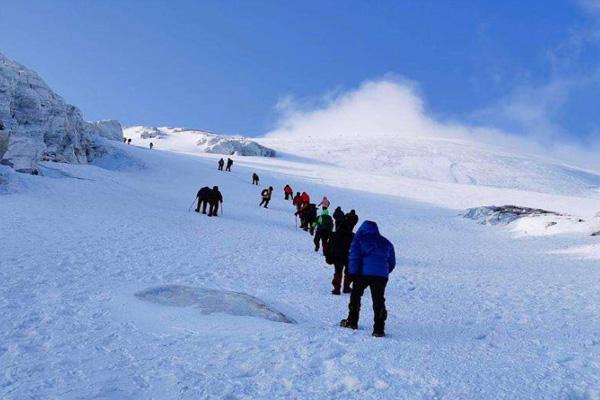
pixel 36 123
pixel 441 160
pixel 473 313
pixel 195 141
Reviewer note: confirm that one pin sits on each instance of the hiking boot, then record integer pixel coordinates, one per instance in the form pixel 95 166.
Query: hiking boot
pixel 378 334
pixel 347 324
pixel 347 290
pixel 336 292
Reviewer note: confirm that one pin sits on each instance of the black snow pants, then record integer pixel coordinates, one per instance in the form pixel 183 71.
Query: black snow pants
pixel 265 201
pixel 377 285
pixel 322 237
pixel 213 210
pixel 202 203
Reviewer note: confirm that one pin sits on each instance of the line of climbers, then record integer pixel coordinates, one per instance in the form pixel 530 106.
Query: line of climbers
pixel 211 198
pixel 221 163
pixel 362 260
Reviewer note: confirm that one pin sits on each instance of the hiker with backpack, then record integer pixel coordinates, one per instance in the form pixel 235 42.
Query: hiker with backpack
pixel 337 255
pixel 214 199
pixel 266 196
pixel 151 145
pixel 372 259
pixel 229 164
pixel 325 203
pixel 202 197
pixel 339 217
pixel 324 227
pixel 288 192
pixel 352 219
pixel 297 201
pixel 220 164
pixel 305 198
pixel 255 179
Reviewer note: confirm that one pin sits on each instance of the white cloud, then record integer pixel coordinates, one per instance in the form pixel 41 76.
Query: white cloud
pixel 392 107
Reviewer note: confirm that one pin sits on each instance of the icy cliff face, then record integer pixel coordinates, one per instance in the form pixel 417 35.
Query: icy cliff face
pixel 192 140
pixel 36 124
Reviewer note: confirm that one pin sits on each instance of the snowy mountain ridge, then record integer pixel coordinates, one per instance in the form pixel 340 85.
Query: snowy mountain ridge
pixel 194 141
pixel 444 160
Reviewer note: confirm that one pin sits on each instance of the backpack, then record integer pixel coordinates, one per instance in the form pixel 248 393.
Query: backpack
pixel 326 223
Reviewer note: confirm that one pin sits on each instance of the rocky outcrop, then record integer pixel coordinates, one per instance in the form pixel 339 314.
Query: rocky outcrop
pixel 193 140
pixel 238 146
pixel 36 124
pixel 493 215
pixel 109 129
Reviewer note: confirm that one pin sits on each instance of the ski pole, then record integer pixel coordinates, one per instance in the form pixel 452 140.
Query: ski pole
pixel 190 207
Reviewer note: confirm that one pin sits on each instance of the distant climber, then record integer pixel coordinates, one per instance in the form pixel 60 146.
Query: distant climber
pixel 297 201
pixel 339 217
pixel 266 196
pixel 372 259
pixel 288 192
pixel 129 141
pixel 202 197
pixel 124 140
pixel 352 219
pixel 229 164
pixel 337 254
pixel 324 227
pixel 255 179
pixel 214 199
pixel 151 145
pixel 305 198
pixel 221 163
pixel 325 203
pixel 308 216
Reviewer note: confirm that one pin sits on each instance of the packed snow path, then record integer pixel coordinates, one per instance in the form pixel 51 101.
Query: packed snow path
pixel 473 313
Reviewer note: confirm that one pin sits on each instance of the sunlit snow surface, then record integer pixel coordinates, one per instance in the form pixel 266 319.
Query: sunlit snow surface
pixel 474 313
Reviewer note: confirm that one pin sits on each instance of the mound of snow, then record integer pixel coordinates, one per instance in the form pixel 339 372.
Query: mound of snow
pixel 192 141
pixel 36 123
pixel 210 301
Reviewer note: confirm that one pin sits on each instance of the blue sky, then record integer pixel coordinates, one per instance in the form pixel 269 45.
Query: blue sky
pixel 528 67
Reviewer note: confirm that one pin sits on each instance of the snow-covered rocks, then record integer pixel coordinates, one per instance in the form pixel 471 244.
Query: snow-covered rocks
pixel 210 301
pixel 504 215
pixel 192 141
pixel 109 129
pixel 526 221
pixel 36 124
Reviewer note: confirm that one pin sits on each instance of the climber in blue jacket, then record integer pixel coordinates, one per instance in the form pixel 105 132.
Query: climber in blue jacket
pixel 372 258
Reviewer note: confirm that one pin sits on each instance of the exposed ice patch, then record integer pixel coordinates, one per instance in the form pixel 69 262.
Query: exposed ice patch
pixel 210 301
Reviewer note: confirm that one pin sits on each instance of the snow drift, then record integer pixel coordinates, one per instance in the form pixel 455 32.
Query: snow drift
pixel 193 140
pixel 36 124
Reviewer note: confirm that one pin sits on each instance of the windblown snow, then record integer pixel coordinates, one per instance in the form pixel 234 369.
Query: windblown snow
pixel 112 288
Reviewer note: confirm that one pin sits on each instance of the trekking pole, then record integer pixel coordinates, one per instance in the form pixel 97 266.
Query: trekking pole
pixel 190 207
